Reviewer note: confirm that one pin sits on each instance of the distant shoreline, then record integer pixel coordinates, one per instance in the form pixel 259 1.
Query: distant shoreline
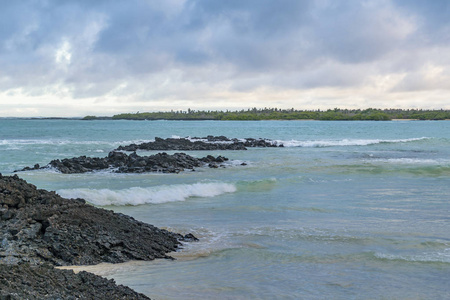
pixel 269 120
pixel 270 114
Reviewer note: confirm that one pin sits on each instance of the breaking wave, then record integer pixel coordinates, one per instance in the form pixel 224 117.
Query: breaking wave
pixel 436 257
pixel 155 195
pixel 57 142
pixel 343 142
pixel 316 143
pixel 414 161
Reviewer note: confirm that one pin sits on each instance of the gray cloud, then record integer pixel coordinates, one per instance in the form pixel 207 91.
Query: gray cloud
pixel 90 48
pixel 432 14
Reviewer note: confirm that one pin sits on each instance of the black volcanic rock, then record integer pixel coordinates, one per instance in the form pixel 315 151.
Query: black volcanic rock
pixel 26 281
pixel 39 227
pixel 181 144
pixel 261 143
pixel 196 144
pixel 132 163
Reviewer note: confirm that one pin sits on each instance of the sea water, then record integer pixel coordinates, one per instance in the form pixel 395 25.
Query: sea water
pixel 345 210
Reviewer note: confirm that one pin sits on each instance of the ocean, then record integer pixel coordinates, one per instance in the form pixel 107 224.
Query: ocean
pixel 345 210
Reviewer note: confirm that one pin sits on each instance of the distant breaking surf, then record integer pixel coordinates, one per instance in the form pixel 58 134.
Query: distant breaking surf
pixel 343 142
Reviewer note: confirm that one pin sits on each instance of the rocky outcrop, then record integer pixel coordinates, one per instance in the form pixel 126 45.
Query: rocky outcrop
pixel 25 281
pixel 182 145
pixel 196 144
pixel 120 162
pixel 39 226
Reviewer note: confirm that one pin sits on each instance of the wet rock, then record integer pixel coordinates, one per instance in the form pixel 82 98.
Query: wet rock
pixel 189 238
pixel 39 230
pixel 132 163
pixel 205 143
pixel 26 281
pixel 43 227
pixel 181 144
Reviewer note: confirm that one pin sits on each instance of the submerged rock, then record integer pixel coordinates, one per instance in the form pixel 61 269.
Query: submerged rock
pixel 132 163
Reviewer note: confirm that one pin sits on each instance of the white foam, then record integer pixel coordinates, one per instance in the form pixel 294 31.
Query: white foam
pixel 46 142
pixel 438 257
pixel 203 140
pixel 231 141
pixel 414 161
pixel 157 194
pixel 209 243
pixel 67 142
pixel 343 142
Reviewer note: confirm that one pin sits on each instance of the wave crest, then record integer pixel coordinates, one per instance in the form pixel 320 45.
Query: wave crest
pixel 437 257
pixel 343 142
pixel 155 195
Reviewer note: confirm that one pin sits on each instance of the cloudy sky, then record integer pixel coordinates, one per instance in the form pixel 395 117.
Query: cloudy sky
pixel 80 57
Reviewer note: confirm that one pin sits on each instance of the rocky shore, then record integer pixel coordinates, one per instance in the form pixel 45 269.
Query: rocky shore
pixel 121 162
pixel 196 144
pixel 40 229
pixel 45 282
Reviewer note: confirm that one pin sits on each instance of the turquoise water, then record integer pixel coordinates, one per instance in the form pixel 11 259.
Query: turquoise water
pixel 347 210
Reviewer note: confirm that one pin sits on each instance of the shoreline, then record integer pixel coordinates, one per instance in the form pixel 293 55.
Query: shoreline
pixel 204 119
pixel 106 269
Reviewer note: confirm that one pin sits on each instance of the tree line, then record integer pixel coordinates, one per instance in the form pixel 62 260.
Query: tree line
pixel 286 114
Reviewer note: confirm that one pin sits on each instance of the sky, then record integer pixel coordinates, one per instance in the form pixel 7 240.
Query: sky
pixel 69 58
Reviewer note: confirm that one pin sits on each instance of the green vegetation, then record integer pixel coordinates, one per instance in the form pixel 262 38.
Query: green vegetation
pixel 90 118
pixel 287 114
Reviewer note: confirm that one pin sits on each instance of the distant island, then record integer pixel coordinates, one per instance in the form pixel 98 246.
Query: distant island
pixel 370 114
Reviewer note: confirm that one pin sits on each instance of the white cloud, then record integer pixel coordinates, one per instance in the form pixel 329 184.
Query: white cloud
pixel 63 55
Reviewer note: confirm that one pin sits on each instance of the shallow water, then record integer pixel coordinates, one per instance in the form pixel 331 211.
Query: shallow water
pixel 346 210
